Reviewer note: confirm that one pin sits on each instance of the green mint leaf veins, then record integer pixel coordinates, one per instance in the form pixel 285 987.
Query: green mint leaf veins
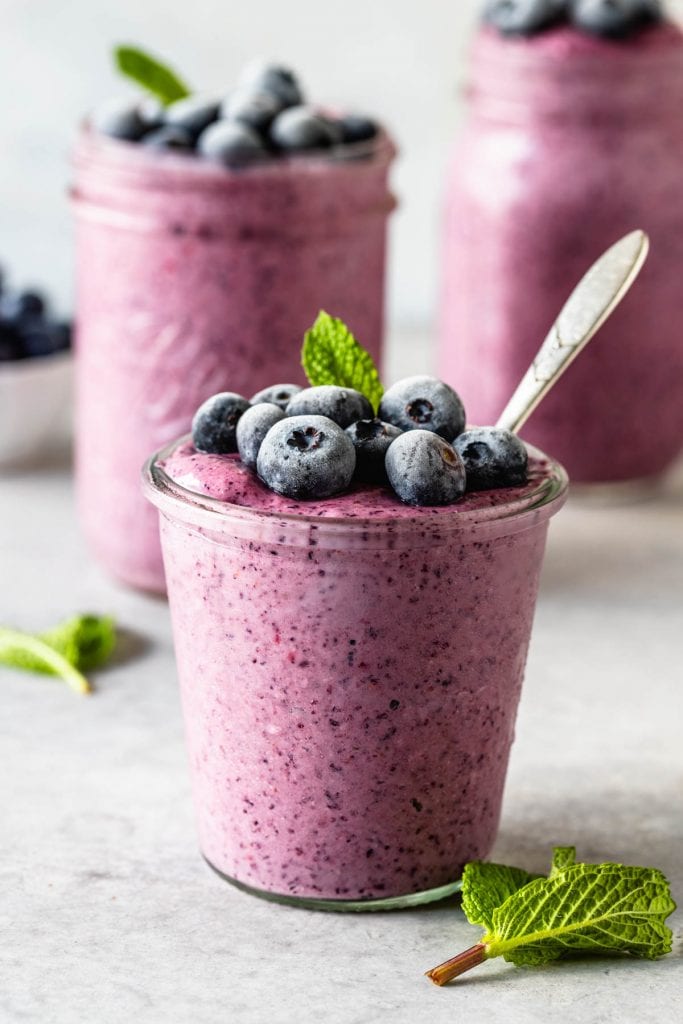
pixel 150 73
pixel 486 886
pixel 80 644
pixel 331 355
pixel 601 909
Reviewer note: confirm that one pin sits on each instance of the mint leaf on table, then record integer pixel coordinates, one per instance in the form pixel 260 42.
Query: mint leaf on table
pixel 150 73
pixel 600 909
pixel 486 886
pixel 78 645
pixel 331 355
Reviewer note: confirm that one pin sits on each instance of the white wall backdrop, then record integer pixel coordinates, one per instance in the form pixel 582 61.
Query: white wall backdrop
pixel 399 59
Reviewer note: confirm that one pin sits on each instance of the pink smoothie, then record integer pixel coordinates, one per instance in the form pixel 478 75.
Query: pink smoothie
pixel 571 142
pixel 191 277
pixel 350 672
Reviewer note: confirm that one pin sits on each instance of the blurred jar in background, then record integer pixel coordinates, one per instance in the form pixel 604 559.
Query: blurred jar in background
pixel 193 279
pixel 571 141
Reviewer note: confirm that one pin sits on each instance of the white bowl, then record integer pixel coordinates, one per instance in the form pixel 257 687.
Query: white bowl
pixel 35 407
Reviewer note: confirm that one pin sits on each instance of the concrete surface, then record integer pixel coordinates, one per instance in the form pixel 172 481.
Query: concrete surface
pixel 107 913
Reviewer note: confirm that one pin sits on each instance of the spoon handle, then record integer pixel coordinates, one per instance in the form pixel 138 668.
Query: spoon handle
pixel 593 300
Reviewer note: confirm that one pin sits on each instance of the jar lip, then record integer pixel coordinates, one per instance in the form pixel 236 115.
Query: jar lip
pixel 546 498
pixel 92 148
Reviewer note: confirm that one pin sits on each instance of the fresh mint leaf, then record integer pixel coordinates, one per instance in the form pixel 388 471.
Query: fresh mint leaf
pixel 331 355
pixel 601 909
pixel 486 886
pixel 78 645
pixel 150 73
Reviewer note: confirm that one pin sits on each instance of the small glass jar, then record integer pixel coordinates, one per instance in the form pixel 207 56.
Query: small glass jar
pixel 194 279
pixel 350 683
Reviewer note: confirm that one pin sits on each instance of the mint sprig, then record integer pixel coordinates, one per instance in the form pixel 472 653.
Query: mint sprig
pixel 82 643
pixel 331 355
pixel 150 73
pixel 600 909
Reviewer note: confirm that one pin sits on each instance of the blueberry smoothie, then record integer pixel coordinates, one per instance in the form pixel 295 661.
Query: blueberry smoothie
pixel 203 244
pixel 573 138
pixel 350 670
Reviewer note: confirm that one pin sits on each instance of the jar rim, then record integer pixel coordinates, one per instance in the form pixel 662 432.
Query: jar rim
pixel 173 499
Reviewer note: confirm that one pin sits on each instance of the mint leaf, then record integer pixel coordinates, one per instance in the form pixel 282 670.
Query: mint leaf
pixel 331 355
pixel 486 886
pixel 150 73
pixel 78 645
pixel 580 908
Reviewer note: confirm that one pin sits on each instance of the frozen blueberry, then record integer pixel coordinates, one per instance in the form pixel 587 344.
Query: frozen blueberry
pixel 11 343
pixel 255 109
pixel 120 119
pixel 306 457
pixel 299 129
pixel 38 338
pixel 274 79
pixel 22 305
pixel 492 458
pixel 253 426
pixel 214 427
pixel 232 144
pixel 356 128
pixel 614 18
pixel 423 403
pixel 424 469
pixel 343 405
pixel 169 136
pixel 371 439
pixel 278 394
pixel 193 113
pixel 523 17
pixel 151 112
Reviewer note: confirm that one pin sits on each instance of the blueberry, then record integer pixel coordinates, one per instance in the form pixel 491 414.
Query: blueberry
pixel 299 129
pixel 423 403
pixel 253 426
pixel 523 17
pixel 62 333
pixel 232 144
pixel 306 457
pixel 614 18
pixel 214 427
pixel 193 113
pixel 169 136
pixel 424 469
pixel 151 112
pixel 371 439
pixel 11 343
pixel 18 307
pixel 120 119
pixel 492 458
pixel 278 394
pixel 274 79
pixel 255 109
pixel 356 128
pixel 343 405
pixel 38 338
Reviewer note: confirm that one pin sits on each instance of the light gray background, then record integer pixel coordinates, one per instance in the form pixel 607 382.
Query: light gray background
pixel 400 59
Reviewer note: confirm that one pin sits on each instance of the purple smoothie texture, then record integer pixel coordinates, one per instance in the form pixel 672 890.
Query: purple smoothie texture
pixel 191 277
pixel 572 141
pixel 350 672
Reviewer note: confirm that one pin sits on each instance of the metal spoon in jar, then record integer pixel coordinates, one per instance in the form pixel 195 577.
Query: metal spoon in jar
pixel 593 300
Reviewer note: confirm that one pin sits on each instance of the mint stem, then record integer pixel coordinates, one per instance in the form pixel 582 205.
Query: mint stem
pixel 13 642
pixel 457 965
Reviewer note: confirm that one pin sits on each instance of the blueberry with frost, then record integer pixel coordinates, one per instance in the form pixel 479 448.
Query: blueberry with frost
pixel 524 17
pixel 300 129
pixel 232 144
pixel 214 427
pixel 614 18
pixel 279 81
pixel 253 426
pixel 306 457
pixel 492 458
pixel 423 469
pixel 193 113
pixel 423 403
pixel 343 405
pixel 119 118
pixel 371 439
pixel 278 394
pixel 168 136
pixel 255 109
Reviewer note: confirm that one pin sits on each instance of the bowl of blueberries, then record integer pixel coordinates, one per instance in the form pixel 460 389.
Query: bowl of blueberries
pixel 35 376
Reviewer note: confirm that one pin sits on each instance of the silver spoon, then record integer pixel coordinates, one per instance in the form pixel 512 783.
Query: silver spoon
pixel 594 299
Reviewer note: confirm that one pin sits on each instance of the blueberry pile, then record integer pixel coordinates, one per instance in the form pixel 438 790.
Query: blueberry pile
pixel 263 117
pixel 26 326
pixel 309 443
pixel 610 18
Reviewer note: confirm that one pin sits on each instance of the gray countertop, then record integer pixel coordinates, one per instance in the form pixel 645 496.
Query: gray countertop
pixel 109 915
